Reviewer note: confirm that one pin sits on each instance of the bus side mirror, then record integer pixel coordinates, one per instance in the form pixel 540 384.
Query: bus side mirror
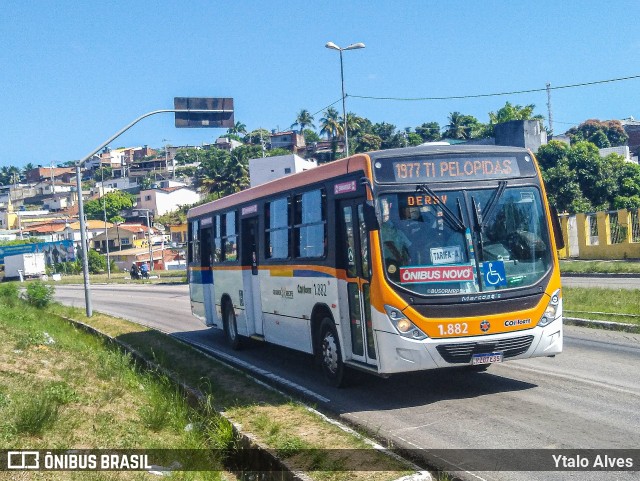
pixel 557 229
pixel 369 214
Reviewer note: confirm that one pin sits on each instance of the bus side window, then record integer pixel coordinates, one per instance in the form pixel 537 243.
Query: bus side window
pixel 230 239
pixel 310 217
pixel 217 239
pixel 194 252
pixel 205 247
pixel 277 229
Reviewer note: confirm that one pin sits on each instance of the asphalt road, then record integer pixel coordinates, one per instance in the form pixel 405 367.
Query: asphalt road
pixel 587 397
pixel 608 282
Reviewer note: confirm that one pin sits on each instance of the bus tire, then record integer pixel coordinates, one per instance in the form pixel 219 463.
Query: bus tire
pixel 330 354
pixel 231 328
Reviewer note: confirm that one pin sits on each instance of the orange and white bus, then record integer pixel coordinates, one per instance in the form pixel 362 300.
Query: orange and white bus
pixel 392 261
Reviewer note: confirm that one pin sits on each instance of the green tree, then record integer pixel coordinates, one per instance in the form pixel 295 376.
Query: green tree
pixel 628 182
pixel 592 130
pixel 429 132
pixel 97 262
pixel 461 127
pixel 388 134
pixel 330 124
pixel 367 143
pixel 113 202
pixel 258 137
pixel 304 119
pixel 310 136
pixel 508 113
pixel 577 179
pixel 187 156
pixel 238 129
pixel 413 138
pixel 103 173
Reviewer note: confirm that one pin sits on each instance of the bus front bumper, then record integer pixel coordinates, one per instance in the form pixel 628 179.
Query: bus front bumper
pixel 402 354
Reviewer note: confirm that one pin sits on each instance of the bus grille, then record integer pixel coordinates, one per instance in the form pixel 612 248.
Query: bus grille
pixel 461 352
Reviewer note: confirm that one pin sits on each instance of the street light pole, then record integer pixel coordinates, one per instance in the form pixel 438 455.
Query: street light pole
pixel 150 248
pixel 106 230
pixel 80 163
pixel 353 46
pixel 83 241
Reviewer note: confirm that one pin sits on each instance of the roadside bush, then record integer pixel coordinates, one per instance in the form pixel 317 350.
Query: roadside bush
pixel 97 262
pixel 69 267
pixel 9 293
pixel 39 294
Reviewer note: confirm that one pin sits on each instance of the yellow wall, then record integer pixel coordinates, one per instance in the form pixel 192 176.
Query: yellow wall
pixel 180 229
pixel 601 247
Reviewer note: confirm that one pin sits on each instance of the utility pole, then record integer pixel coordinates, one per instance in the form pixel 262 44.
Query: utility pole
pixel 549 108
pixel 106 230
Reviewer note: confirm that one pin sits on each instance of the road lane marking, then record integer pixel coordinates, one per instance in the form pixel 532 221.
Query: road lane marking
pixel 568 378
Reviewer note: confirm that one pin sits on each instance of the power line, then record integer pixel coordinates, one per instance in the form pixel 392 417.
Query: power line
pixel 454 97
pixel 325 108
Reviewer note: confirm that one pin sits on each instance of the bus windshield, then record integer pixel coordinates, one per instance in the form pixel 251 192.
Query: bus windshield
pixel 465 241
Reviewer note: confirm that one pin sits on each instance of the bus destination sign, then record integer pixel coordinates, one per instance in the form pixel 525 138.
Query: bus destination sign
pixel 456 169
pixel 452 169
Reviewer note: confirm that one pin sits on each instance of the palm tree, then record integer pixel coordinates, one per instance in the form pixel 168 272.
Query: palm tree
pixel 238 129
pixel 461 126
pixel 354 124
pixel 331 124
pixel 304 119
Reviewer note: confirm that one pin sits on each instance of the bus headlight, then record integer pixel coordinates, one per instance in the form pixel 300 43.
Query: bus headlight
pixel 404 326
pixel 551 312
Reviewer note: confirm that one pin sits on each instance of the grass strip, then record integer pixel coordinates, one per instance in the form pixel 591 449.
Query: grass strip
pixel 61 388
pixel 600 267
pixel 292 431
pixel 614 305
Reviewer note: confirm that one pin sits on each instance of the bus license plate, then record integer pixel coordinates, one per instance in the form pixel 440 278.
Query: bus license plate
pixel 487 358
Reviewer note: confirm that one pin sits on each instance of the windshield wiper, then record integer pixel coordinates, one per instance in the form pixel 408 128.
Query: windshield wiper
pixel 481 219
pixel 453 220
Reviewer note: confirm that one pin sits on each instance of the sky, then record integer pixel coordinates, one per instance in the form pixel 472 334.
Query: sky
pixel 72 74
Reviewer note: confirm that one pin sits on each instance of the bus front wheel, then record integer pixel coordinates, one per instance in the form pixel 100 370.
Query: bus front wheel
pixel 330 355
pixel 231 328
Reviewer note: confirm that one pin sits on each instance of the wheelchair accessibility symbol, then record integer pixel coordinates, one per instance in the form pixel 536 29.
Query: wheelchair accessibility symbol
pixel 494 274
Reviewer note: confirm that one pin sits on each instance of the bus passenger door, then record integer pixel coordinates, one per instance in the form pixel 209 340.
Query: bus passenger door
pixel 354 246
pixel 250 277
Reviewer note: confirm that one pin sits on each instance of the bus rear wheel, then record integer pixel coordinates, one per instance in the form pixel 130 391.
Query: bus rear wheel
pixel 231 328
pixel 330 354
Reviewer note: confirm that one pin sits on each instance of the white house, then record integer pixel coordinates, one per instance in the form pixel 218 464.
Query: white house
pixel 623 150
pixel 159 201
pixel 266 169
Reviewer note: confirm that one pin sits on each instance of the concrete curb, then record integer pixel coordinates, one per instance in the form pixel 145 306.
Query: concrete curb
pixel 608 325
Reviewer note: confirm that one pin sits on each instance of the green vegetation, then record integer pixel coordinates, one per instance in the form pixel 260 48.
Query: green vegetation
pixel 38 294
pixel 602 304
pixel 62 388
pixel 114 202
pixel 577 179
pixel 599 267
pixel 124 278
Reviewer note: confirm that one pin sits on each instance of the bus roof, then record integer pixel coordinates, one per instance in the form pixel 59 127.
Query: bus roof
pixel 440 148
pixel 293 181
